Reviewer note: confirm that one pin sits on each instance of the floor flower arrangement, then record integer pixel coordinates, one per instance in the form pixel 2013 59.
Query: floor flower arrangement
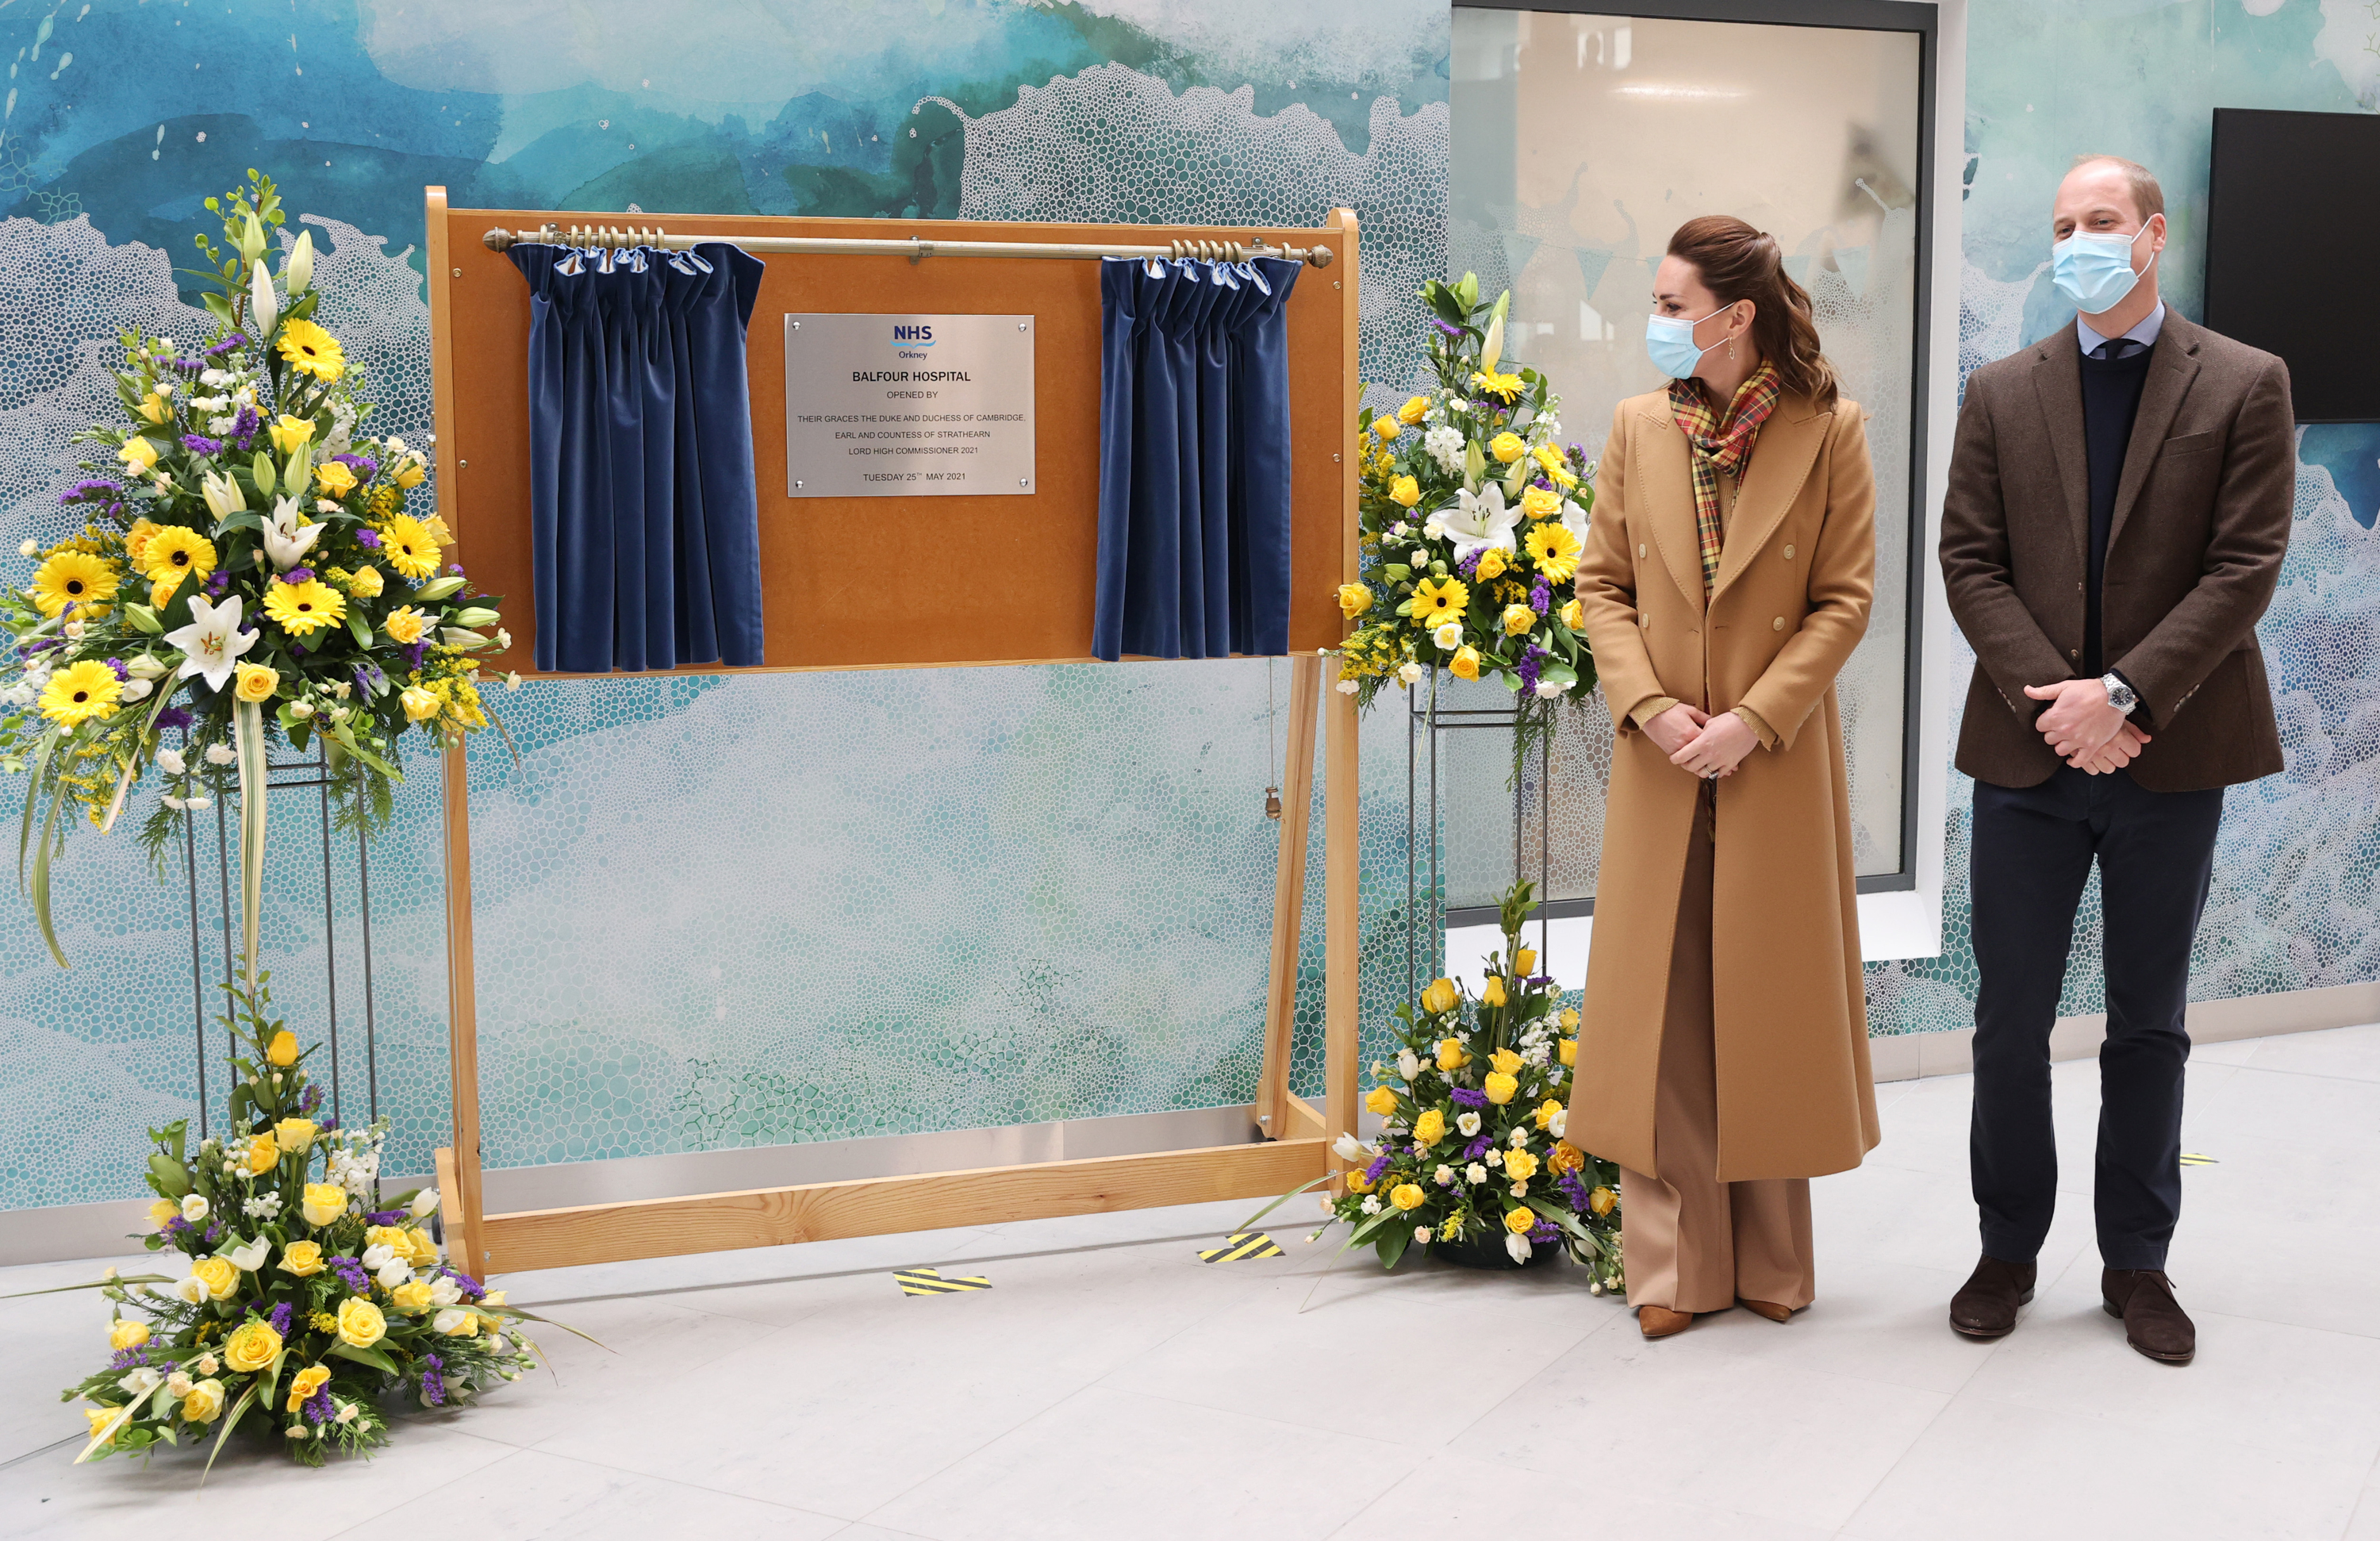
pixel 309 1299
pixel 1472 1155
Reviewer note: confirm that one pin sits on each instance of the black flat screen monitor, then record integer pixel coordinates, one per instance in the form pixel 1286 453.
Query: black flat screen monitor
pixel 2293 251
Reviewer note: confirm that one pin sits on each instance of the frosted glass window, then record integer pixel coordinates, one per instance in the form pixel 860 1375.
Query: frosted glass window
pixel 1580 143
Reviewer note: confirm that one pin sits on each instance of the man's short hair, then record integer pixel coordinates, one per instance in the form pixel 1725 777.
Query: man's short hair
pixel 2147 197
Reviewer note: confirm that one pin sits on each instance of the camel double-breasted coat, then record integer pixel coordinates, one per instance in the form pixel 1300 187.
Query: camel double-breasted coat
pixel 1795 580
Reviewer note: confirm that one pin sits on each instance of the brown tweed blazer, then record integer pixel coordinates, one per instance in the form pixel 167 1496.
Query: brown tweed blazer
pixel 2202 520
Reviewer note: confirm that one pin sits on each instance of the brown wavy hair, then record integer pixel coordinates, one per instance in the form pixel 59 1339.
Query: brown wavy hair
pixel 1736 261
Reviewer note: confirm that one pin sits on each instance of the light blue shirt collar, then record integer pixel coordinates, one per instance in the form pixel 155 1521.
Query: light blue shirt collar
pixel 2146 333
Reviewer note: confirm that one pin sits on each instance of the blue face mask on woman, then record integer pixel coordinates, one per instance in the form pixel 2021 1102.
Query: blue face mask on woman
pixel 2094 272
pixel 1670 343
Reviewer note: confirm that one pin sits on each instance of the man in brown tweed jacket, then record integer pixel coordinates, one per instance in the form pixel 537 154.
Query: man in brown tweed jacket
pixel 2118 508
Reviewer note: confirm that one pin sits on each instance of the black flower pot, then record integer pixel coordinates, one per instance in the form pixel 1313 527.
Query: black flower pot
pixel 1483 1248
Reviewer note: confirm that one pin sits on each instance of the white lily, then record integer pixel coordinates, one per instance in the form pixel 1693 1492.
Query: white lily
pixel 212 642
pixel 284 542
pixel 1480 521
pixel 299 270
pixel 146 667
pixel 267 309
pixel 248 1257
pixel 222 495
pixel 1573 519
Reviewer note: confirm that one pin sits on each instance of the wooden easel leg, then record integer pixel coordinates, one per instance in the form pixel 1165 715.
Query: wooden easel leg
pixel 1342 871
pixel 1289 897
pixel 460 1194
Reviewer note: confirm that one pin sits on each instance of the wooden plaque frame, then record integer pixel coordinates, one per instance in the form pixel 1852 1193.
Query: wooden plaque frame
pixel 818 617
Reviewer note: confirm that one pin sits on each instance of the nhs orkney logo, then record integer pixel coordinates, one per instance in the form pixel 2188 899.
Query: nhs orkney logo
pixel 913 334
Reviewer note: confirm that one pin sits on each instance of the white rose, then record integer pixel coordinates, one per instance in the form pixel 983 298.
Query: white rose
pixel 1346 687
pixel 194 1208
pixel 28 548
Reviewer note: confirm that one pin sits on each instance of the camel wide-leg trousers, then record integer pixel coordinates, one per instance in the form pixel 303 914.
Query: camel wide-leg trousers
pixel 1690 1242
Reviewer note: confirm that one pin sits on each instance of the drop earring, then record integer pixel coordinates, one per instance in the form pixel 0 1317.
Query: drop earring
pixel 1730 352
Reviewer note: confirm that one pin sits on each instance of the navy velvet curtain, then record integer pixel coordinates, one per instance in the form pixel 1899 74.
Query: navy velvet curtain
pixel 644 516
pixel 1193 458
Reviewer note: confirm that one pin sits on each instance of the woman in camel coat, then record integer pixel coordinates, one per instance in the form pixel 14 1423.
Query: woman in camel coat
pixel 1729 570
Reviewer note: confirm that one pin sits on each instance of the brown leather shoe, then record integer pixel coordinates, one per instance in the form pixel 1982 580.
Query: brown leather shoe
pixel 1659 1321
pixel 2154 1322
pixel 1986 1304
pixel 1767 1308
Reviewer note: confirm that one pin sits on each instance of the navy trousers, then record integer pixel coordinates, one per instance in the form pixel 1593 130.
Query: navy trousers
pixel 2032 851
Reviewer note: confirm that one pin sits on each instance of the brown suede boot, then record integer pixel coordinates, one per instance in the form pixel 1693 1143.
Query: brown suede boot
pixel 1986 1304
pixel 2154 1323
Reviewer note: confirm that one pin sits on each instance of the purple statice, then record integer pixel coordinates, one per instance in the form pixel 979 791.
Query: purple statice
pixel 434 1381
pixel 330 1125
pixel 175 1226
pixel 310 1100
pixel 189 365
pixel 220 581
pixel 1541 595
pixel 454 569
pixel 470 1286
pixel 363 465
pixel 1449 331
pixel 369 678
pixel 319 1408
pixel 1379 1164
pixel 369 540
pixel 199 443
pixel 1533 663
pixel 1469 565
pixel 1469 1097
pixel 298 574
pixel 131 1358
pixel 93 488
pixel 351 1272
pixel 246 427
pixel 1545 1231
pixel 122 673
pixel 280 1317
pixel 41 644
pixel 173 717
pixel 414 653
pixel 1570 1186
pixel 231 340
pixel 1480 1146
pixel 385 1217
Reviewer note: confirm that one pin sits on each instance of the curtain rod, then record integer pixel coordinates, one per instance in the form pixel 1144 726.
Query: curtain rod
pixel 916 248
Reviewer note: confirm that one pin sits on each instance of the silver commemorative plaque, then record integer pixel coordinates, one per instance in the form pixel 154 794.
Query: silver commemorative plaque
pixel 880 406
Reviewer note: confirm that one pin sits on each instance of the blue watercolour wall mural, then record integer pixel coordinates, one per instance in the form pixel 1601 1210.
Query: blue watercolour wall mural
pixel 716 913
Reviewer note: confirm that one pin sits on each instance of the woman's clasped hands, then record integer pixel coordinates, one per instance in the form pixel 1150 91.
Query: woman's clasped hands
pixel 1700 743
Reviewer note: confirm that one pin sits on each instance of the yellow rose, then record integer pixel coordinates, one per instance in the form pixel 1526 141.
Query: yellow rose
pixel 1519 619
pixel 165 1209
pixel 1540 503
pixel 1507 446
pixel 1354 599
pixel 302 1258
pixel 322 1202
pixel 262 1153
pixel 1602 1201
pixel 288 432
pixel 1545 1112
pixel 125 1333
pixel 421 1250
pixel 293 1133
pixel 412 1296
pixel 389 1236
pixel 366 584
pixel 252 1346
pixel 410 474
pixel 1404 490
pixel 1382 1101
pixel 1492 563
pixel 205 1402
pixel 1499 1087
pixel 1494 992
pixel 1429 1128
pixel 137 454
pixel 1452 1054
pixel 1506 1061
pixel 1573 615
pixel 1519 1165
pixel 1466 662
pixel 1520 1222
pixel 360 1323
pixel 492 1298
pixel 1407 1195
pixel 1570 1019
pixel 1356 1179
pixel 257 682
pixel 406 623
pixel 1414 409
pixel 336 480
pixel 1441 996
pixel 136 543
pixel 161 590
pixel 1566 1157
pixel 1388 427
pixel 283 1049
pixel 1570 1051
pixel 420 704
pixel 457 1322
pixel 305 1382
pixel 100 1418
pixel 220 1275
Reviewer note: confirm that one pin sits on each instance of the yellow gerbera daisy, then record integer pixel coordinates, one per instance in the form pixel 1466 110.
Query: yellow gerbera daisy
pixel 1555 551
pixel 302 609
pixel 176 551
pixel 1504 387
pixel 1436 601
pixel 410 549
pixel 71 577
pixel 311 350
pixel 81 691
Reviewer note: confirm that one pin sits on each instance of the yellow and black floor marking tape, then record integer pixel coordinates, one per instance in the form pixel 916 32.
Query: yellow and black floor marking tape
pixel 2193 1158
pixel 1240 1246
pixel 930 1282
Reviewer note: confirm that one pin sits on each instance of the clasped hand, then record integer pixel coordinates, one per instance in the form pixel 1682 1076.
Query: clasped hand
pixel 2082 729
pixel 1697 742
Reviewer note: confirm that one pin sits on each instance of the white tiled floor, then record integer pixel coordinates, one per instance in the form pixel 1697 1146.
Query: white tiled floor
pixel 1110 1385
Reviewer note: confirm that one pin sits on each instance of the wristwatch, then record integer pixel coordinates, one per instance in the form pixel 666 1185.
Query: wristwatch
pixel 2120 695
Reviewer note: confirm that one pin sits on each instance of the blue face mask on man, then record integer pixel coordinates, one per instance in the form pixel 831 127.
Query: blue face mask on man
pixel 1670 343
pixel 2094 271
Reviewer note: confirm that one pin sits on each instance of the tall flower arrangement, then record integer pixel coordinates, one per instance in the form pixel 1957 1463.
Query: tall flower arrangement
pixel 1474 515
pixel 308 1299
pixel 253 561
pixel 1472 1155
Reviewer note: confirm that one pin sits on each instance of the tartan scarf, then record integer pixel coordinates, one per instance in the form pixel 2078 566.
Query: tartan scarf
pixel 1718 446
